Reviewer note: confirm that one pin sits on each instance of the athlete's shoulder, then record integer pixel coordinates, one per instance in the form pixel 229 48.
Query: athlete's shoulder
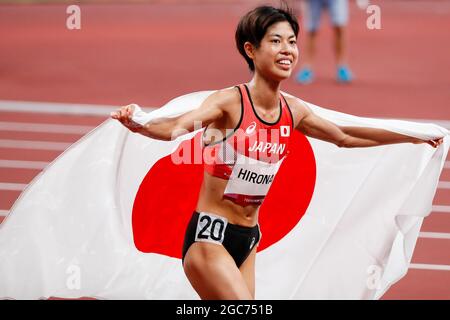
pixel 227 95
pixel 225 98
pixel 298 107
pixel 295 103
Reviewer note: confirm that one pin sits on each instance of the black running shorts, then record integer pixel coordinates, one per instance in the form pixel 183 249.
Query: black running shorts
pixel 239 241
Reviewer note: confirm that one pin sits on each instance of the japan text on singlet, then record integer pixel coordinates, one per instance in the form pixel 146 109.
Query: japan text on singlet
pixel 250 155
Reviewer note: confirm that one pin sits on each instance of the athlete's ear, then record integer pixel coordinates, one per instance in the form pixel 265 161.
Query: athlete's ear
pixel 249 50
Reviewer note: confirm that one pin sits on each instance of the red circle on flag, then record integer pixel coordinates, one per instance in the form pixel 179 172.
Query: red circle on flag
pixel 168 195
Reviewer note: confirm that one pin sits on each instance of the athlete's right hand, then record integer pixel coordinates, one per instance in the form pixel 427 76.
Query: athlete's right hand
pixel 124 115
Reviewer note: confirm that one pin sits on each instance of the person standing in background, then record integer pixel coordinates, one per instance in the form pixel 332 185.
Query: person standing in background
pixel 338 11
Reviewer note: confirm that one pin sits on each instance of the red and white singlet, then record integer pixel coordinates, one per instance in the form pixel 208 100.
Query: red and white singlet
pixel 250 155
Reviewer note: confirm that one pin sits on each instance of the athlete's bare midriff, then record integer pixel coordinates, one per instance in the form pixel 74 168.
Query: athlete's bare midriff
pixel 211 200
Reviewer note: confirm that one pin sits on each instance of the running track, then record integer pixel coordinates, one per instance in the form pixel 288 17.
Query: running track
pixel 150 53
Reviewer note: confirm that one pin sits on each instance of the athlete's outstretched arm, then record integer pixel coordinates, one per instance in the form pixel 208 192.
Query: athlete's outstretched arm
pixel 212 109
pixel 314 126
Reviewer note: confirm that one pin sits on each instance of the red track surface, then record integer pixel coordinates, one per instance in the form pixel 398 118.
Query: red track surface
pixel 149 54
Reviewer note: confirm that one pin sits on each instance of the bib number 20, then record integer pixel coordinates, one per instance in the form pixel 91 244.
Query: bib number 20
pixel 210 228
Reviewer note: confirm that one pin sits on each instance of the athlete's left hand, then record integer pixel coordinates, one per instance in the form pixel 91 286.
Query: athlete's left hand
pixel 434 143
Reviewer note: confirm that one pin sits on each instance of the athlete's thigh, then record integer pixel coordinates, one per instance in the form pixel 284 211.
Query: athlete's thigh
pixel 213 273
pixel 247 269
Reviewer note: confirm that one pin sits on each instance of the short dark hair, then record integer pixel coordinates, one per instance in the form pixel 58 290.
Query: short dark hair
pixel 253 26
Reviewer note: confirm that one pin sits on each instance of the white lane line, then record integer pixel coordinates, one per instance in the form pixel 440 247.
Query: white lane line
pixel 424 266
pixel 441 209
pixel 447 165
pixel 44 127
pixel 59 108
pixel 12 186
pixel 55 108
pixel 36 145
pixel 20 164
pixel 4 213
pixel 444 185
pixel 434 235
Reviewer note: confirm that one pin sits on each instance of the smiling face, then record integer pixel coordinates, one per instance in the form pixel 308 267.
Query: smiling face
pixel 277 54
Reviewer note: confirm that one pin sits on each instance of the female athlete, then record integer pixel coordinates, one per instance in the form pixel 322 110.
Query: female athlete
pixel 247 133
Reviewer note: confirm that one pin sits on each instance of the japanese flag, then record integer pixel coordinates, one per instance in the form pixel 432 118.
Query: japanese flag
pixel 107 218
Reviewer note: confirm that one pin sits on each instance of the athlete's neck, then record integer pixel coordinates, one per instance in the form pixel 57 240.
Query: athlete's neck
pixel 265 94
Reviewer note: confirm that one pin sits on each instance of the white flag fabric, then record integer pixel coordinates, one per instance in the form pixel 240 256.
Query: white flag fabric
pixel 70 233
